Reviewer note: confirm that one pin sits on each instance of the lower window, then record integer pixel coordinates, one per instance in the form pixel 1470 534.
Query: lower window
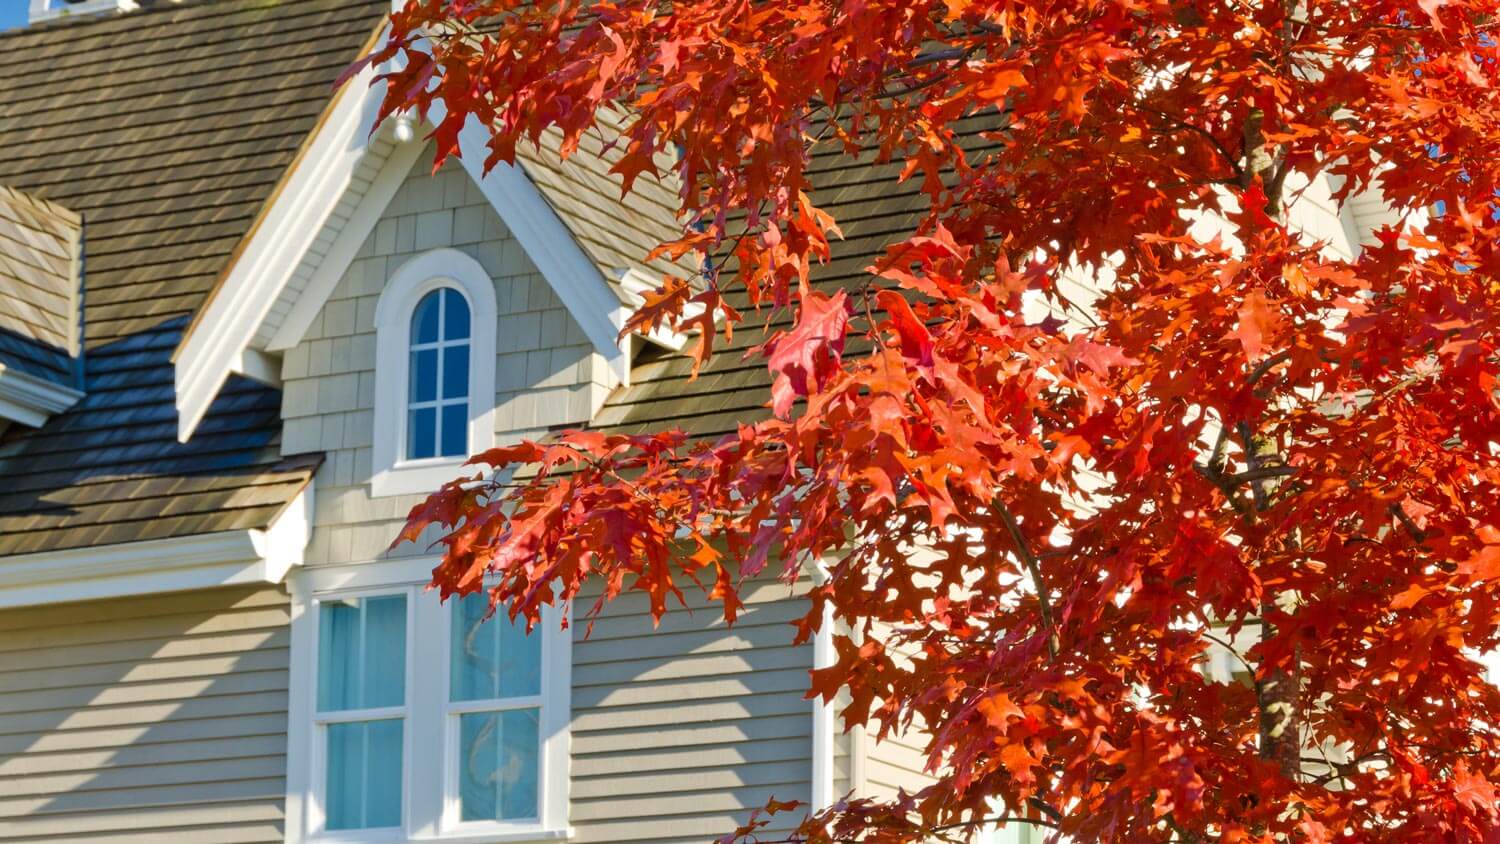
pixel 429 721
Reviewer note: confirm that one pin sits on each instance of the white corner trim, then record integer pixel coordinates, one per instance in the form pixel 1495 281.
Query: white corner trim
pixel 160 565
pixel 246 293
pixel 414 279
pixel 822 712
pixel 29 400
pixel 548 242
pixel 341 254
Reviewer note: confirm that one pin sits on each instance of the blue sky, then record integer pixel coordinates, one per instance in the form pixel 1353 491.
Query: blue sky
pixel 12 13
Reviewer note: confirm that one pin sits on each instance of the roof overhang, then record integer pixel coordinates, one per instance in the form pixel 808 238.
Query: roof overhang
pixel 165 565
pixel 30 400
pixel 217 342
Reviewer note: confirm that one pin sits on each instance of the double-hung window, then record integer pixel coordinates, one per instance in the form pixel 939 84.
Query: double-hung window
pixel 415 719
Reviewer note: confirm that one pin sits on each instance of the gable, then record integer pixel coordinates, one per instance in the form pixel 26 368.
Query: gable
pixel 567 215
pixel 546 370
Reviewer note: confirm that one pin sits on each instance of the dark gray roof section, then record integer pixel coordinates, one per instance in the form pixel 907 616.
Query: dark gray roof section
pixel 41 277
pixel 167 130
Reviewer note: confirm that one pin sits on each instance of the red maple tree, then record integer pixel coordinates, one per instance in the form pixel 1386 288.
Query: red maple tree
pixel 1039 522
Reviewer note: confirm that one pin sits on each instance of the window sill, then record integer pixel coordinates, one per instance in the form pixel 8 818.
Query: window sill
pixel 517 836
pixel 416 477
pixel 535 835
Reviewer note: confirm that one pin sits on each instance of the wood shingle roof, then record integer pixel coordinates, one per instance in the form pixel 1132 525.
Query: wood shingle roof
pixel 166 130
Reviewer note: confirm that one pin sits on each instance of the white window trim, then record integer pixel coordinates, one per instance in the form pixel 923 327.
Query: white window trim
pixel 393 475
pixel 428 813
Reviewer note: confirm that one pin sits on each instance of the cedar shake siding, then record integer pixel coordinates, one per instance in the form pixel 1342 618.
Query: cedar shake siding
pixel 546 372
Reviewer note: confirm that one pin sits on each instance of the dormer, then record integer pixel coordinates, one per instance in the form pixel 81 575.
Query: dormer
pixel 41 308
pixel 41 10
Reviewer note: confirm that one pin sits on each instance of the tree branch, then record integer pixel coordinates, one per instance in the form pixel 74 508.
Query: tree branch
pixel 1023 550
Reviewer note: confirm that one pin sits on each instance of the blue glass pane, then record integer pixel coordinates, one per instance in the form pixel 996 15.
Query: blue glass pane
pixel 456 315
pixel 385 651
pixel 421 433
pixel 361 653
pixel 456 371
pixel 498 770
pixel 364 775
pixel 423 376
pixel 455 429
pixel 492 659
pixel 424 320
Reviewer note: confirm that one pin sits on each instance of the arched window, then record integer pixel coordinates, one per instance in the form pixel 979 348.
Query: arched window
pixel 437 396
pixel 435 329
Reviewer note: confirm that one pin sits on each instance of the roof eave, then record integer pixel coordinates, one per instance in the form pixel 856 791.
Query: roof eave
pixel 30 400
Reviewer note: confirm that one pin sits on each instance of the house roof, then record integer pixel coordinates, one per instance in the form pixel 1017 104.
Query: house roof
pixel 167 130
pixel 40 276
pixel 873 209
pixel 615 235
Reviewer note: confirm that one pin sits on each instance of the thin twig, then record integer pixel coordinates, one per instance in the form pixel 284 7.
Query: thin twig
pixel 1023 550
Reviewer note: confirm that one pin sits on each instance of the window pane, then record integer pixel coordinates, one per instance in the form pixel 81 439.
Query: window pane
pixel 424 320
pixel 455 429
pixel 421 433
pixel 455 316
pixel 364 775
pixel 498 771
pixel 456 371
pixel 491 659
pixel 423 377
pixel 361 653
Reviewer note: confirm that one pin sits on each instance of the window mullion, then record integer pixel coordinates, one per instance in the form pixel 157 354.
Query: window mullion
pixel 503 704
pixel 425 766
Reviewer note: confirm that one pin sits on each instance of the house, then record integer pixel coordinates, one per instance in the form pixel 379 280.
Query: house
pixel 240 336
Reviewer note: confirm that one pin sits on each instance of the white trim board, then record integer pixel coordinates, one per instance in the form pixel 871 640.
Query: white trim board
pixel 29 400
pixel 341 254
pixel 576 279
pixel 220 342
pixel 162 565
pixel 214 347
pixel 550 245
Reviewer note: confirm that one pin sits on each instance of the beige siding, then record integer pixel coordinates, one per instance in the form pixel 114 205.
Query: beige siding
pixel 145 719
pixel 546 371
pixel 895 763
pixel 883 768
pixel 680 731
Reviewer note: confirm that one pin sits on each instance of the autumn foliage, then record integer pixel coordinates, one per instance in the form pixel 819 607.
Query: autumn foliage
pixel 1040 516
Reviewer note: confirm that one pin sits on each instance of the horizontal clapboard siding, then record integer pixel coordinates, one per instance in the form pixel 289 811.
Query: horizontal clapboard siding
pixel 681 730
pixel 145 719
